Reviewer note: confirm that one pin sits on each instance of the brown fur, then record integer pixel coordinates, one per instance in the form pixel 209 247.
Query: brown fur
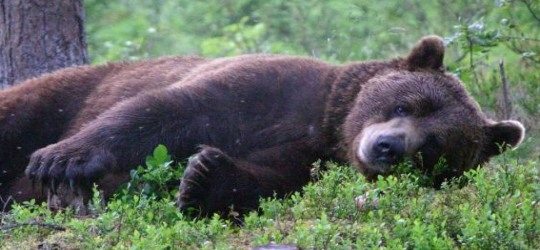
pixel 255 123
pixel 42 111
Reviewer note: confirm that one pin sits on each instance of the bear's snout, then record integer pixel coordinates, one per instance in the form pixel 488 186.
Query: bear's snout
pixel 381 145
pixel 388 150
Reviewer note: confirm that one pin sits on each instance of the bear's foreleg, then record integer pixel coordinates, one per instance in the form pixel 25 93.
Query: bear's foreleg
pixel 213 182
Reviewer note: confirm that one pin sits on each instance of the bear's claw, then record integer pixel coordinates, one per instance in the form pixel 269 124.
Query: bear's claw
pixel 196 182
pixel 66 171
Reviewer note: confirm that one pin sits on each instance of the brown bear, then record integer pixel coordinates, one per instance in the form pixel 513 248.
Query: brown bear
pixel 253 125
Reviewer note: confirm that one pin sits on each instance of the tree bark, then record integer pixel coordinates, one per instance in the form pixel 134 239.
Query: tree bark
pixel 39 36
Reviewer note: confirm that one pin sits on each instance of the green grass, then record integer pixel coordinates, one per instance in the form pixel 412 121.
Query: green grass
pixel 498 209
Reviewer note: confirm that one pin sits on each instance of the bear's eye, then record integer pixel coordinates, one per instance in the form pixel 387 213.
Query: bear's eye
pixel 401 111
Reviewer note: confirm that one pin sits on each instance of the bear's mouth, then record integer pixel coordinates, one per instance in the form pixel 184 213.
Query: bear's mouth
pixel 429 154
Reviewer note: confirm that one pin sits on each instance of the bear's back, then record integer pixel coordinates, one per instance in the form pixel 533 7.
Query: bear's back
pixel 124 80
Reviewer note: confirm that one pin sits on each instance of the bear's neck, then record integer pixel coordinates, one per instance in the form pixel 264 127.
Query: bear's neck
pixel 345 83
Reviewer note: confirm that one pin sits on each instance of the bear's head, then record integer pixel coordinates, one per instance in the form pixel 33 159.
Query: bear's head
pixel 421 114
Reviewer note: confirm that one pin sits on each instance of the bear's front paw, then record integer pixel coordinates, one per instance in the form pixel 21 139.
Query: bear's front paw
pixel 196 183
pixel 71 169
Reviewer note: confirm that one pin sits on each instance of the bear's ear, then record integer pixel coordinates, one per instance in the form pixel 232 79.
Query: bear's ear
pixel 502 134
pixel 428 53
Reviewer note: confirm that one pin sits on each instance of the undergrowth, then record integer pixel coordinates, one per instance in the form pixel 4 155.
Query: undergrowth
pixel 497 209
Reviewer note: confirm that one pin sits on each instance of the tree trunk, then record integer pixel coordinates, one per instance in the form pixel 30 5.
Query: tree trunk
pixel 39 36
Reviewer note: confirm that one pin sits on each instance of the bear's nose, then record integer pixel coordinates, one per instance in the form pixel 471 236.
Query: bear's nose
pixel 388 149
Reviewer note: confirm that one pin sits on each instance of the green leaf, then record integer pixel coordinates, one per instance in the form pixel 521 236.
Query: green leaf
pixel 161 155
